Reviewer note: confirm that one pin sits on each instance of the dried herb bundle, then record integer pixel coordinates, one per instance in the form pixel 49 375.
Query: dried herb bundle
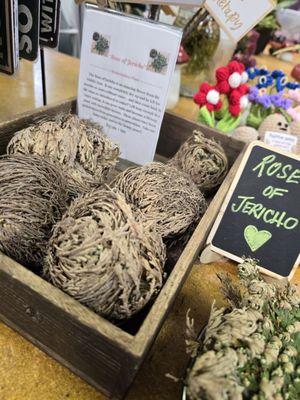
pixel 204 160
pixel 84 152
pixel 32 199
pixel 102 256
pixel 164 195
pixel 251 349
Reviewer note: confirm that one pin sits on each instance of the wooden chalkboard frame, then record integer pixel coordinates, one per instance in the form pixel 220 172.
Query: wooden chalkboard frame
pixel 227 201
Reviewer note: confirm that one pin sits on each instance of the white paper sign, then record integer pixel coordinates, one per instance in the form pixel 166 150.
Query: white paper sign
pixel 283 141
pixel 238 17
pixel 125 71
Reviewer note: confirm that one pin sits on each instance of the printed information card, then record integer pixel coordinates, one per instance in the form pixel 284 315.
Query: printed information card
pixel 125 71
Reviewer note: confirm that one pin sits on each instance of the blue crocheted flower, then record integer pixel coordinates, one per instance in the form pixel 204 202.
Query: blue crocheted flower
pixel 293 85
pixel 252 73
pixel 265 81
pixel 278 73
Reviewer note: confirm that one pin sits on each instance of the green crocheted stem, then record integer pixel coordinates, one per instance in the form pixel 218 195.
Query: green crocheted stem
pixel 228 123
pixel 206 117
pixel 222 112
pixel 257 114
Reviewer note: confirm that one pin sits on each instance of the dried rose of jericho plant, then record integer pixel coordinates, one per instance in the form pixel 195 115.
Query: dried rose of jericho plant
pixel 164 195
pixel 32 199
pixel 204 160
pixel 105 257
pixel 85 154
pixel 251 349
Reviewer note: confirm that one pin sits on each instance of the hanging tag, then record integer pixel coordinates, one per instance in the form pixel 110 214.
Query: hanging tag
pixel 29 26
pixel 126 67
pixel 8 36
pixel 49 23
pixel 238 17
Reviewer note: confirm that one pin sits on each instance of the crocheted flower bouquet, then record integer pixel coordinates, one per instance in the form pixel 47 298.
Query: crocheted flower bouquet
pixel 221 105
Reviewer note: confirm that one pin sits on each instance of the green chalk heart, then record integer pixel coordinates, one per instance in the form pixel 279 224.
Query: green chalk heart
pixel 255 238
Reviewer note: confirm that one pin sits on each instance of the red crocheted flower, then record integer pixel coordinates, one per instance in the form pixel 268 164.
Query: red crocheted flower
pixel 208 96
pixel 238 100
pixel 231 77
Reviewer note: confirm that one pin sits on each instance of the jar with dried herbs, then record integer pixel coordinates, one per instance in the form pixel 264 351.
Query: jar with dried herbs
pixel 200 44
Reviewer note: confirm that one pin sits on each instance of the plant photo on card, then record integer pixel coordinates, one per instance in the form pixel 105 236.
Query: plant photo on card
pixel 158 62
pixel 100 44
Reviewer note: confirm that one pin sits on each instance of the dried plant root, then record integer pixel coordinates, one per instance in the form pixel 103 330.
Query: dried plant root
pixel 85 154
pixel 204 160
pixel 102 256
pixel 32 199
pixel 164 195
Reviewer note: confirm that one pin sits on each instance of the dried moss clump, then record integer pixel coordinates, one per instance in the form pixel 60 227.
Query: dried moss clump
pixel 103 257
pixel 84 152
pixel 251 349
pixel 32 199
pixel 204 160
pixel 165 196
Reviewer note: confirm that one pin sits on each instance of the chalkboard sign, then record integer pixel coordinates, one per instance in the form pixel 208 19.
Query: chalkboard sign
pixel 29 28
pixel 260 217
pixel 49 23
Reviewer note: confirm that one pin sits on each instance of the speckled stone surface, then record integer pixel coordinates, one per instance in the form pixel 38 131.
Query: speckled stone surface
pixel 26 373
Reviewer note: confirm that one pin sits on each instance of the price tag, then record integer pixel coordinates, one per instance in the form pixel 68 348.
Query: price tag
pixel 238 17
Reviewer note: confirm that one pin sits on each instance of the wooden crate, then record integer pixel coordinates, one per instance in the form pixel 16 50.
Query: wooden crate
pixel 106 356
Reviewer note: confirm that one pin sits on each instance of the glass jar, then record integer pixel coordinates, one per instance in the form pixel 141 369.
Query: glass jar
pixel 200 45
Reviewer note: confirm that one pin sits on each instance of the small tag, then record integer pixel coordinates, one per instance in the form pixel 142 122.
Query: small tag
pixel 280 140
pixel 238 17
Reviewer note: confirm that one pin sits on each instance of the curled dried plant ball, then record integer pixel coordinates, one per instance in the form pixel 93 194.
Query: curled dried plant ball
pixel 103 257
pixel 84 152
pixel 32 199
pixel 204 160
pixel 164 195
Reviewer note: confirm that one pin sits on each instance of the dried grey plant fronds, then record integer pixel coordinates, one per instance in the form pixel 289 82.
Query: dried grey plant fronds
pixel 164 195
pixel 192 344
pixel 32 199
pixel 232 327
pixel 105 257
pixel 204 160
pixel 262 329
pixel 231 292
pixel 212 377
pixel 84 153
pixel 247 271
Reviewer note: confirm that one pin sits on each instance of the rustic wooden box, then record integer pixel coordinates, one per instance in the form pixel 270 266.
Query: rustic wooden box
pixel 106 356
